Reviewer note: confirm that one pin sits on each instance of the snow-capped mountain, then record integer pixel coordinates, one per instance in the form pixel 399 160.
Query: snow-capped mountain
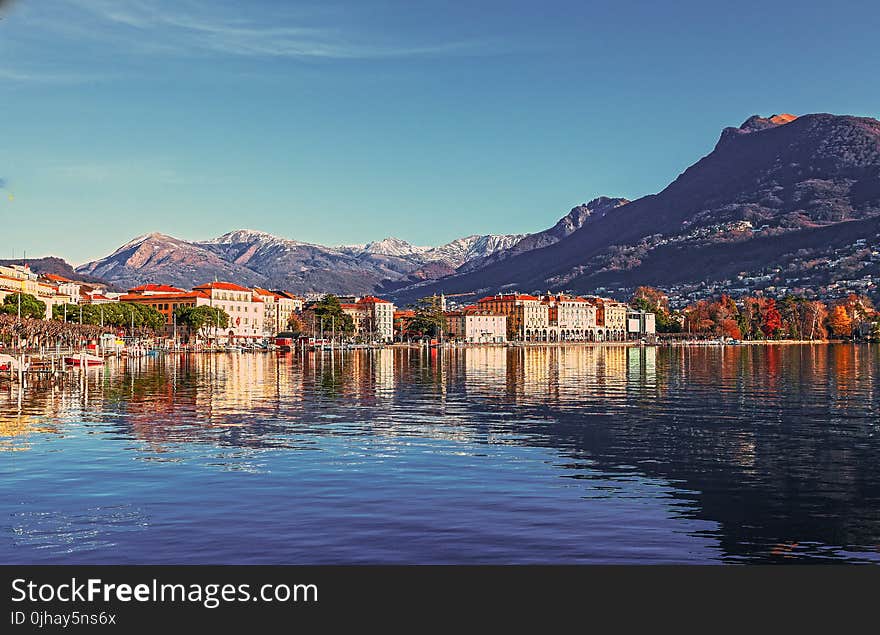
pixel 471 248
pixel 390 246
pixel 255 257
pixel 164 259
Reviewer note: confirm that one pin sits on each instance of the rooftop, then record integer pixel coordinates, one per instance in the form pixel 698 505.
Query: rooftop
pixel 224 286
pixel 156 288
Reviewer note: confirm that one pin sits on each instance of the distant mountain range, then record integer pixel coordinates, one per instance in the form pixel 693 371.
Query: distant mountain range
pixel 59 267
pixel 779 193
pixel 258 258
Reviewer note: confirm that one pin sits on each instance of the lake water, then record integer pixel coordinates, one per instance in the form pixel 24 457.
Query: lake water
pixel 485 455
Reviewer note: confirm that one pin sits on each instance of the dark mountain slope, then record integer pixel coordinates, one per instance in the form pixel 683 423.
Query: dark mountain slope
pixel 766 178
pixel 58 267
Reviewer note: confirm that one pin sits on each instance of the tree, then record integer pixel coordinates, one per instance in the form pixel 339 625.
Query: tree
pixel 771 321
pixel 131 316
pixel 698 318
pixel 840 322
pixel 295 325
pixel 428 319
pixel 814 314
pixel 653 298
pixel 657 302
pixel 30 306
pixel 327 315
pixel 201 320
pixel 724 314
pixel 860 310
pixel 151 319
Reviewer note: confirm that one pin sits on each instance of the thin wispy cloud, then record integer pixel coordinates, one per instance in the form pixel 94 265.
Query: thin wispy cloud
pixel 36 76
pixel 157 171
pixel 200 28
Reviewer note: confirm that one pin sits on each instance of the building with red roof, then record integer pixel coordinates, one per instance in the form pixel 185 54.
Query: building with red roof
pixel 153 289
pixel 245 309
pixel 475 325
pixel 167 303
pixel 278 308
pixel 527 317
pixel 221 286
pixel 373 317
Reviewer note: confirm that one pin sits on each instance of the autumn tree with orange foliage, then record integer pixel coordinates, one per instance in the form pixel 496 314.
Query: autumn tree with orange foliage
pixel 657 302
pixel 860 309
pixel 758 318
pixel 296 325
pixel 698 319
pixel 771 322
pixel 761 318
pixel 840 322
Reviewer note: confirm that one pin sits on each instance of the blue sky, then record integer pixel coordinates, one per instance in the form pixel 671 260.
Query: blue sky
pixel 341 122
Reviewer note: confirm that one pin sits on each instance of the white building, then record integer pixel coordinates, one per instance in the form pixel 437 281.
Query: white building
pixel 20 279
pixel 246 312
pixel 379 322
pixel 571 318
pixel 475 326
pixel 527 317
pixel 279 306
pixel 373 317
pixel 640 323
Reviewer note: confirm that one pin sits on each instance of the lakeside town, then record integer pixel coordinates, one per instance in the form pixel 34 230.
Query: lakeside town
pixel 46 313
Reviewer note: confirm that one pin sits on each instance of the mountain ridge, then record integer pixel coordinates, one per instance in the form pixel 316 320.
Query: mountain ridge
pixel 257 257
pixel 763 179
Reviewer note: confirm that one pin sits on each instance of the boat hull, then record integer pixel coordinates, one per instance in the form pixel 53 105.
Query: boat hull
pixel 87 360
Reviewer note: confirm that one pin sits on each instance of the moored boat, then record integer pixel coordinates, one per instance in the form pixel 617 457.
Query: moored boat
pixel 10 363
pixel 84 360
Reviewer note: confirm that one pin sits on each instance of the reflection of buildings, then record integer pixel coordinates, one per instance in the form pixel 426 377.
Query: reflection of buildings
pixel 29 411
pixel 561 374
pixel 765 460
pixel 383 371
pixel 485 369
pixel 15 430
pixel 642 364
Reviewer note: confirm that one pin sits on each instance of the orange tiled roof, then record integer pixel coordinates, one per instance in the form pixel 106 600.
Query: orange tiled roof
pixel 507 297
pixel 136 297
pixel 472 310
pixel 55 278
pixel 371 299
pixel 225 286
pixel 156 288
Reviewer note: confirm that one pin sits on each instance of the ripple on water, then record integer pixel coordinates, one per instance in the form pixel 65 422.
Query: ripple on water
pixel 580 454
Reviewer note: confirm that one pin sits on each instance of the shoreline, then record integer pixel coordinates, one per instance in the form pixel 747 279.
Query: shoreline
pixel 631 343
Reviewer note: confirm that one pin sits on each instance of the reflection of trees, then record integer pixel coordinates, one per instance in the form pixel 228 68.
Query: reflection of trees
pixel 795 463
pixel 774 444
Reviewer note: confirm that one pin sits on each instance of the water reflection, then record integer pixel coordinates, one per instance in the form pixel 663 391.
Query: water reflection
pixel 765 453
